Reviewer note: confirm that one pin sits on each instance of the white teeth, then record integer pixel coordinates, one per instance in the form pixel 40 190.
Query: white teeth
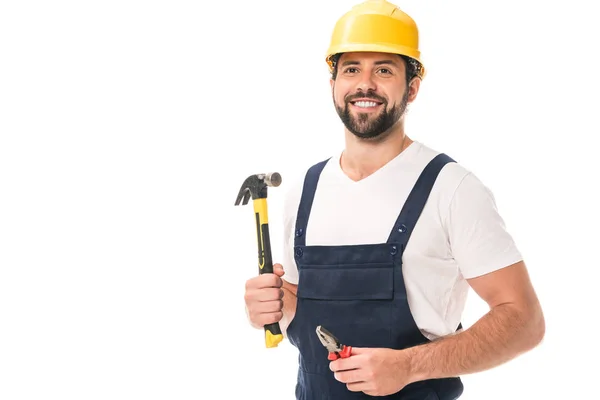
pixel 365 104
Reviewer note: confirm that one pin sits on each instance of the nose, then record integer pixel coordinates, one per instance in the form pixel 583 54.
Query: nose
pixel 366 83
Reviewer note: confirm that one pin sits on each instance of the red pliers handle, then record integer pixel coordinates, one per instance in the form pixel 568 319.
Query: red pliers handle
pixel 332 344
pixel 344 353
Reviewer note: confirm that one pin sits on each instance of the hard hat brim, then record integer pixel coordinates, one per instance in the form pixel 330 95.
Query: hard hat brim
pixel 374 48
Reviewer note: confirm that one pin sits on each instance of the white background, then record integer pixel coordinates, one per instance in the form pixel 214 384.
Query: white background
pixel 128 127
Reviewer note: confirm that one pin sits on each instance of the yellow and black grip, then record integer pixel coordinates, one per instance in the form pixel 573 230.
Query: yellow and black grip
pixel 273 335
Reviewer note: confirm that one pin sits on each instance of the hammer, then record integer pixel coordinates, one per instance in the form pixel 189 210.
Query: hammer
pixel 256 186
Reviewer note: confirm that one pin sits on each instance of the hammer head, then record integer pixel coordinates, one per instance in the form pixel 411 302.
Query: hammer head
pixel 255 186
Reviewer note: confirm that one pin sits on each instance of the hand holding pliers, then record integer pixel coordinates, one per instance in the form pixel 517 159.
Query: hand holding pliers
pixel 332 344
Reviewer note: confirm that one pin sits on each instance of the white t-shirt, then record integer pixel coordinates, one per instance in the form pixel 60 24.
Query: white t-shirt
pixel 459 235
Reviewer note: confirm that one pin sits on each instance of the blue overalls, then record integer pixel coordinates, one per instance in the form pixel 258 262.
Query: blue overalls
pixel 357 292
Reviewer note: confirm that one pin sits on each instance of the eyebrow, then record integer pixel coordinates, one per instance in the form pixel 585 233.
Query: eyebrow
pixel 382 62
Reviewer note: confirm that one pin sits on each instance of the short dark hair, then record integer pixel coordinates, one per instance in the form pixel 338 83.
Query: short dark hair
pixel 413 67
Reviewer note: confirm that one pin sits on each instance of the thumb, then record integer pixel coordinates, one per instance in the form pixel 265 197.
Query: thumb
pixel 359 350
pixel 278 270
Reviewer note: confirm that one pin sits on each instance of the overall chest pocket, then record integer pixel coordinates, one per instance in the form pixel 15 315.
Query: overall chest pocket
pixel 350 292
pixel 347 282
pixel 346 273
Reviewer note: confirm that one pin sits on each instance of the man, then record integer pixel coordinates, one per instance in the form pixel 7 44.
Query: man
pixel 384 239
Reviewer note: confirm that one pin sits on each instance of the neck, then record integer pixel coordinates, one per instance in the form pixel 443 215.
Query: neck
pixel 362 157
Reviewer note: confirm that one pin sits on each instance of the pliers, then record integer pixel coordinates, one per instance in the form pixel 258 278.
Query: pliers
pixel 332 344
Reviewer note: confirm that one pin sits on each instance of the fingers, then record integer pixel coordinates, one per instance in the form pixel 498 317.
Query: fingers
pixel 267 307
pixel 349 376
pixel 345 364
pixel 260 320
pixel 360 350
pixel 365 387
pixel 278 270
pixel 356 380
pixel 264 296
pixel 264 281
pixel 261 313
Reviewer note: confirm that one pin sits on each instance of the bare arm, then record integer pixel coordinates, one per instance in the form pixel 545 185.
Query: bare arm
pixel 515 324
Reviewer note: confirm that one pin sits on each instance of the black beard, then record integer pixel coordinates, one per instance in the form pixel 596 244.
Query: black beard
pixel 361 126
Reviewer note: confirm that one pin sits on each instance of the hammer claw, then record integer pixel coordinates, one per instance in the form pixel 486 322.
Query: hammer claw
pixel 243 196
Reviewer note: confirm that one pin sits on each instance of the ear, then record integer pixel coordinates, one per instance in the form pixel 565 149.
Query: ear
pixel 413 89
pixel 332 83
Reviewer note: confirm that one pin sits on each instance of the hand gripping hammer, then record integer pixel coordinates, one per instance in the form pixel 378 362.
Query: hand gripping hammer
pixel 256 186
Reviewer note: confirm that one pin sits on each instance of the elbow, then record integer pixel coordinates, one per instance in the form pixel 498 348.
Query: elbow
pixel 537 328
pixel 540 330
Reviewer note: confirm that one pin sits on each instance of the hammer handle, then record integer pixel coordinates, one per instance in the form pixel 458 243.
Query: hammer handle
pixel 273 335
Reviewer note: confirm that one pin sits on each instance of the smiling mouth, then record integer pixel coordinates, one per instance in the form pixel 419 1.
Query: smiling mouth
pixel 366 104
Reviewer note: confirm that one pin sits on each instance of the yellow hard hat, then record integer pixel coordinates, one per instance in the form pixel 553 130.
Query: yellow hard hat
pixel 377 26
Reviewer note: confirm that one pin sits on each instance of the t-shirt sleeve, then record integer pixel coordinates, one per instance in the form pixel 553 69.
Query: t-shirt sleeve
pixel 479 240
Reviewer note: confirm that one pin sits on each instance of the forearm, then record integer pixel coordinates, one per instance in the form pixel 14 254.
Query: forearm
pixel 499 336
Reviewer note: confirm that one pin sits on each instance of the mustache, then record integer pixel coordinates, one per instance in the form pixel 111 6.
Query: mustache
pixel 367 95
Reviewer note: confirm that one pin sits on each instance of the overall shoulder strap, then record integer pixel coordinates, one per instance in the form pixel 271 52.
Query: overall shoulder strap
pixel 308 193
pixel 416 200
